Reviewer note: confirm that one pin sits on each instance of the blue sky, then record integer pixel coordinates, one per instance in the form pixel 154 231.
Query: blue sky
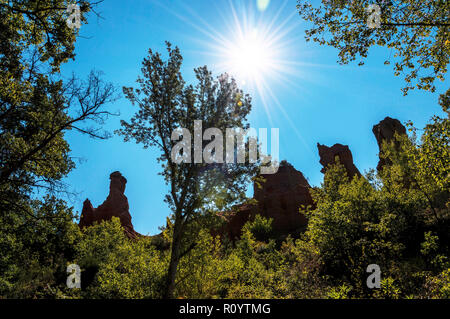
pixel 315 101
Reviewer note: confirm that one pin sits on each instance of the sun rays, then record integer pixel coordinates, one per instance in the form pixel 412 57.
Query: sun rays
pixel 257 44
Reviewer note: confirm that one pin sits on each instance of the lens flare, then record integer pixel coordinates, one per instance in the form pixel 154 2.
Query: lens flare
pixel 262 4
pixel 259 51
pixel 255 51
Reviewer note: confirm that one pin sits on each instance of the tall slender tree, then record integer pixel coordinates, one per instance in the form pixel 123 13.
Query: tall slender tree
pixel 166 104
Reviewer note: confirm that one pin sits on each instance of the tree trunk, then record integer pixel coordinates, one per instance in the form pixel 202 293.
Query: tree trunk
pixel 174 260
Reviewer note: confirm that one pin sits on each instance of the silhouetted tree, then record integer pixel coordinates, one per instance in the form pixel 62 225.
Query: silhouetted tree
pixel 166 103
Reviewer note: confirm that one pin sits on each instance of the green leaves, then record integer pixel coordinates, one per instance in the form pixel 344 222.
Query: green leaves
pixel 37 107
pixel 167 104
pixel 398 220
pixel 114 266
pixel 416 31
pixel 37 242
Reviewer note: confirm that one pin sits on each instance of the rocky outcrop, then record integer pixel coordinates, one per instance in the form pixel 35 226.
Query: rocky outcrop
pixel 328 156
pixel 282 195
pixel 115 205
pixel 279 197
pixel 385 132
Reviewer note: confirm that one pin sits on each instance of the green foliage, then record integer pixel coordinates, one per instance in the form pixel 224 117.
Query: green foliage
pixel 398 220
pixel 38 25
pixel 202 271
pixel 438 286
pixel 339 292
pixel 113 266
pixel 37 108
pixel 167 105
pixel 303 270
pixel 99 242
pixel 388 290
pixel 432 252
pixel 354 226
pixel 432 157
pixel 134 270
pixel 36 105
pixel 416 32
pixel 263 266
pixel 260 228
pixel 35 248
pixel 250 269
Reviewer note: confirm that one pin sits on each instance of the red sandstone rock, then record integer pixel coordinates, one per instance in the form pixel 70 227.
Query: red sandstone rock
pixel 328 156
pixel 385 131
pixel 279 198
pixel 116 204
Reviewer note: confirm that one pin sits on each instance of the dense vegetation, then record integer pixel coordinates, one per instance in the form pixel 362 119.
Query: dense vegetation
pixel 397 218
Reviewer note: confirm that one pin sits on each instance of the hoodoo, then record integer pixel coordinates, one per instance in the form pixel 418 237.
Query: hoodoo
pixel 116 204
pixel 385 131
pixel 280 198
pixel 328 155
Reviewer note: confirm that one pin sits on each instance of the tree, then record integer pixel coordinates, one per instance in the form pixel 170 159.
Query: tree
pixel 416 30
pixel 36 248
pixel 37 106
pixel 398 219
pixel 166 104
pixel 114 266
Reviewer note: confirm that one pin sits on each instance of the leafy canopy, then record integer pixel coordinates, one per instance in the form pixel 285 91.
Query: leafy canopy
pixel 417 32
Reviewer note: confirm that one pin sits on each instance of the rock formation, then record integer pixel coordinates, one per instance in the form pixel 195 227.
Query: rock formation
pixel 279 198
pixel 328 156
pixel 116 204
pixel 385 131
pixel 283 193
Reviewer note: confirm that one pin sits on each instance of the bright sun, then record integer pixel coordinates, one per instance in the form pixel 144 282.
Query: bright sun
pixel 249 58
pixel 255 50
pixel 258 46
pixel 254 45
